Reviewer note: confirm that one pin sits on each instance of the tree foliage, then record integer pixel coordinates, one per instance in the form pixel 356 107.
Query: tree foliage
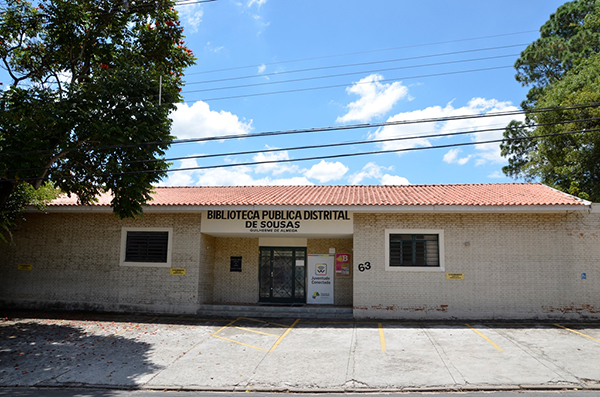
pixel 24 196
pixel 563 70
pixel 564 39
pixel 82 108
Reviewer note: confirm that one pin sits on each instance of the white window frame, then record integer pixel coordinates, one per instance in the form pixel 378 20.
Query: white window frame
pixel 441 252
pixel 124 231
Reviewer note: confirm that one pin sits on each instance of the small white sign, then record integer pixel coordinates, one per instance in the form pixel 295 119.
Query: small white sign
pixel 320 279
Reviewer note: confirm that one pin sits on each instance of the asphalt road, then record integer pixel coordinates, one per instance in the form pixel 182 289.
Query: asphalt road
pixel 115 353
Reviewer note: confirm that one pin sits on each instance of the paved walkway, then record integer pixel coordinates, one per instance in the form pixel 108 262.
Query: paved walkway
pixel 142 352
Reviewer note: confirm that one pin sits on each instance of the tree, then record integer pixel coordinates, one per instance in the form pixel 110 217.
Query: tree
pixel 82 109
pixel 563 70
pixel 23 196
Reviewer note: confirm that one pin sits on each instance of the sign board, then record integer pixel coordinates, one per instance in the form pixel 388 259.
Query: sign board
pixel 24 266
pixel 178 272
pixel 455 276
pixel 342 264
pixel 279 223
pixel 235 264
pixel 320 279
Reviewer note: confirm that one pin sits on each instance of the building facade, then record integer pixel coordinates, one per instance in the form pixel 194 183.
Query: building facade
pixel 495 251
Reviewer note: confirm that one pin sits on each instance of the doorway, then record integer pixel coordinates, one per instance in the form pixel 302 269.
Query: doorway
pixel 282 274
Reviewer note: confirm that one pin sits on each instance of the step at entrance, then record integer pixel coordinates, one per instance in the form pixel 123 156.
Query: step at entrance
pixel 258 311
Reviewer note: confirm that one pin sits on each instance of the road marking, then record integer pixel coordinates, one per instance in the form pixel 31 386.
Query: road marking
pixel 225 326
pixel 257 332
pixel 382 337
pixel 287 331
pixel 486 338
pixel 240 343
pixel 577 332
pixel 261 321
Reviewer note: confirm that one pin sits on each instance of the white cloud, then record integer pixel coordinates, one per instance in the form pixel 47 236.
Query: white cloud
pixel 275 168
pixel 191 16
pixel 376 99
pixel 262 68
pixel 257 2
pixel 496 175
pixel 182 178
pixel 370 170
pixel 452 157
pixel 374 171
pixel 485 153
pixel 199 121
pixel 394 180
pixel 325 171
pixel 210 47
pixel 231 176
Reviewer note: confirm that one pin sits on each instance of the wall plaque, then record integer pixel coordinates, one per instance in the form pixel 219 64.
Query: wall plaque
pixel 235 264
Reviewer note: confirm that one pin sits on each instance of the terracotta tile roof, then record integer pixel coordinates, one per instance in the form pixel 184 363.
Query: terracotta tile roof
pixel 500 194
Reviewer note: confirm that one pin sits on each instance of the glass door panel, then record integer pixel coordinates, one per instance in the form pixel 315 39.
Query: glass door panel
pixel 282 275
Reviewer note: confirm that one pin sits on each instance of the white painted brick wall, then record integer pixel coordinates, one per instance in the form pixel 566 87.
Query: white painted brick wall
pixel 75 259
pixel 236 287
pixel 515 266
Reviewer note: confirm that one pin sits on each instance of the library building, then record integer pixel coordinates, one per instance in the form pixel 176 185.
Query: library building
pixel 472 251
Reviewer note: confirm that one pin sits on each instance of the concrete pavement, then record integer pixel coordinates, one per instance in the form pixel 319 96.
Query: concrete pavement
pixel 173 353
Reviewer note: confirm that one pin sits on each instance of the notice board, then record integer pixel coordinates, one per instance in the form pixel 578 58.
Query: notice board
pixel 320 279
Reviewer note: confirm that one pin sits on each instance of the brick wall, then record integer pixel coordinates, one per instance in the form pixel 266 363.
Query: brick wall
pixel 236 287
pixel 206 276
pixel 75 265
pixel 515 266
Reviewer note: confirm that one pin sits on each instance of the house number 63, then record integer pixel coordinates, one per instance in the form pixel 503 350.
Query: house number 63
pixel 364 266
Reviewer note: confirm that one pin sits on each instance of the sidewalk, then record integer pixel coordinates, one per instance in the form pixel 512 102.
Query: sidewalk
pixel 158 353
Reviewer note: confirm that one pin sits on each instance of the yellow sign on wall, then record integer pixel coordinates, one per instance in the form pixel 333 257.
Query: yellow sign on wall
pixel 178 272
pixel 455 276
pixel 24 266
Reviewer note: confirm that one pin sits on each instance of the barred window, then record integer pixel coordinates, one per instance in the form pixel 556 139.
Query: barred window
pixel 414 250
pixel 420 250
pixel 146 247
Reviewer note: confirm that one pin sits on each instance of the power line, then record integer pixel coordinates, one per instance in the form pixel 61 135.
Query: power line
pixel 342 155
pixel 362 142
pixel 355 64
pixel 322 129
pixel 339 144
pixel 344 85
pixel 152 96
pixel 365 52
pixel 365 153
pixel 349 73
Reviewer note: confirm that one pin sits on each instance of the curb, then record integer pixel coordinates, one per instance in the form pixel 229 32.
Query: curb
pixel 259 389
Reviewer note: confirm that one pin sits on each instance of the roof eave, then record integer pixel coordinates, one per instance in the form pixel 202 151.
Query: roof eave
pixel 557 208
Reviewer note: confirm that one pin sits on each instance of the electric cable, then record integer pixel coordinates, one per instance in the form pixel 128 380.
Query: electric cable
pixel 364 52
pixel 342 155
pixel 343 85
pixel 348 74
pixel 338 144
pixel 323 129
pixel 358 64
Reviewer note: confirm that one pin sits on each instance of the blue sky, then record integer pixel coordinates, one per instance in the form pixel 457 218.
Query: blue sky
pixel 353 62
pixel 417 61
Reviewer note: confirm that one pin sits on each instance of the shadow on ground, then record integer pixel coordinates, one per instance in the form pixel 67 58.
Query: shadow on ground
pixel 64 350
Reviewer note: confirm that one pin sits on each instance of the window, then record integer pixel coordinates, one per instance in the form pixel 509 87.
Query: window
pixel 416 250
pixel 146 247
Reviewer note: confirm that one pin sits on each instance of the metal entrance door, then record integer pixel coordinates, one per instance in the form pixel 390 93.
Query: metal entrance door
pixel 282 275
